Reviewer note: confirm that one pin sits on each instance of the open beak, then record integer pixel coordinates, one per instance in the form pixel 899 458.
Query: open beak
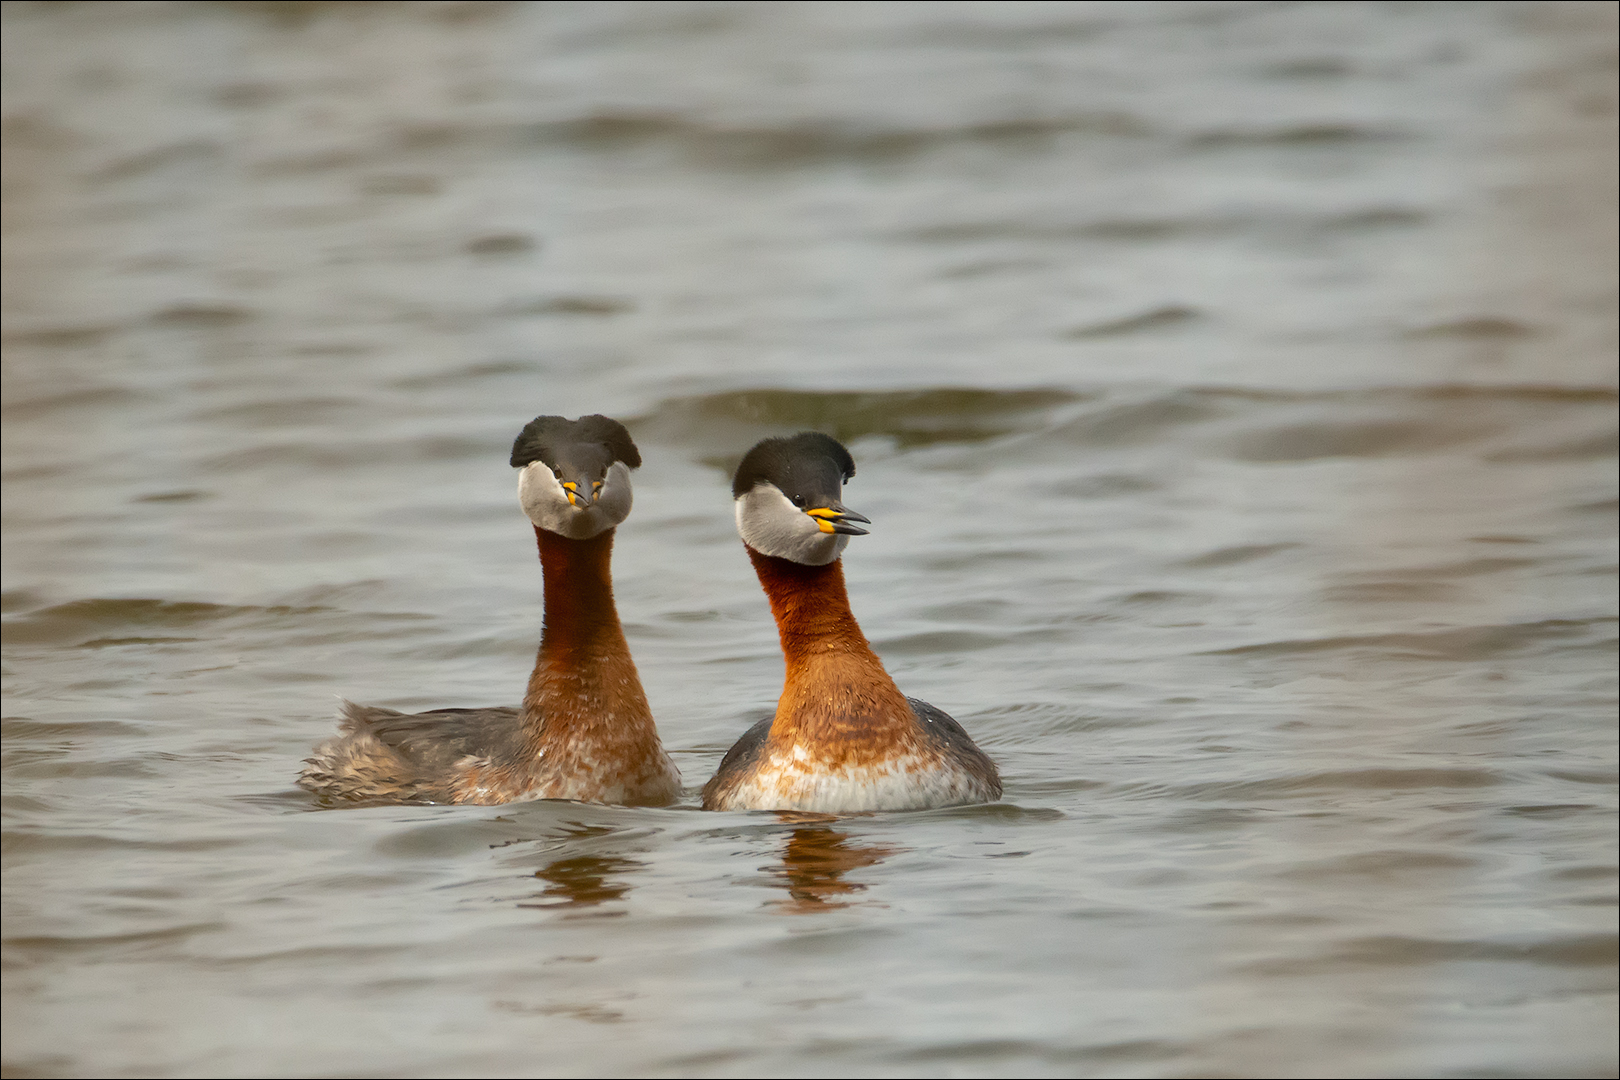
pixel 836 518
pixel 579 495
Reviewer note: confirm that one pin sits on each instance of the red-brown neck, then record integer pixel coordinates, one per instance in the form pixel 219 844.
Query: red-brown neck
pixel 811 607
pixel 836 688
pixel 583 676
pixel 581 619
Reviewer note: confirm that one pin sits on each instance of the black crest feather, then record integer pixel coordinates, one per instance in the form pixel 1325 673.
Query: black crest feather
pixel 545 437
pixel 806 461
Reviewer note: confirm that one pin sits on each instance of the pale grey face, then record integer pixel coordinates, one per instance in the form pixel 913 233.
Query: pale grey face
pixel 787 493
pixel 578 503
pixel 574 475
pixel 770 524
pixel 812 531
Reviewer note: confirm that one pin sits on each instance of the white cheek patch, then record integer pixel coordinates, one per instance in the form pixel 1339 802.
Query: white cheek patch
pixel 769 523
pixel 546 504
pixel 543 499
pixel 613 501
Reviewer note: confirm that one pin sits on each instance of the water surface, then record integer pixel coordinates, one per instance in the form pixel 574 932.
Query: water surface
pixel 1232 388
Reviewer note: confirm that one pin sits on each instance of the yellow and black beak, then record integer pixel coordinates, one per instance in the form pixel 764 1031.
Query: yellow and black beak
pixel 836 518
pixel 581 495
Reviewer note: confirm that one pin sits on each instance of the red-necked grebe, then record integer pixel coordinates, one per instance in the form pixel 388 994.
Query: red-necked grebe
pixel 843 738
pixel 584 730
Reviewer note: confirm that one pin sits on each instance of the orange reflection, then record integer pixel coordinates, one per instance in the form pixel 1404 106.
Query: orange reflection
pixel 814 862
pixel 584 881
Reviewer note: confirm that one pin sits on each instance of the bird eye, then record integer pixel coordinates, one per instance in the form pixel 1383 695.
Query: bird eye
pixel 798 500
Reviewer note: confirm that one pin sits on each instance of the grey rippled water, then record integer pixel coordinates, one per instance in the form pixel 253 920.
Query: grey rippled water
pixel 1234 397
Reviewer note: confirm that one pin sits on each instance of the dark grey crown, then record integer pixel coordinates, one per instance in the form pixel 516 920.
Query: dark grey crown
pixel 552 438
pixel 809 464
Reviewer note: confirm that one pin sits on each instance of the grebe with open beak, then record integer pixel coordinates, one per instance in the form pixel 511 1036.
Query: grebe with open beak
pixel 844 738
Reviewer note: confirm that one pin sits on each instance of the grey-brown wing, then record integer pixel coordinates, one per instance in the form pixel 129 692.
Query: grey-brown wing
pixel 437 739
pixel 738 763
pixel 955 743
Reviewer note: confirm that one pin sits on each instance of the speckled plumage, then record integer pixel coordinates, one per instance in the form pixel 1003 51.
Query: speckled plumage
pixel 584 730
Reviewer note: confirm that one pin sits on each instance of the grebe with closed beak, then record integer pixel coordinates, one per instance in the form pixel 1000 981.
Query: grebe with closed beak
pixel 584 730
pixel 844 738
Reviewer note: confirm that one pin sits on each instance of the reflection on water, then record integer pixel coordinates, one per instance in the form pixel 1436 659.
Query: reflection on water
pixel 815 861
pixel 584 881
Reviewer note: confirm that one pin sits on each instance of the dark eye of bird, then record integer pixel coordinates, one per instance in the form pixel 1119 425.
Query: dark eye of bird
pixel 798 500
